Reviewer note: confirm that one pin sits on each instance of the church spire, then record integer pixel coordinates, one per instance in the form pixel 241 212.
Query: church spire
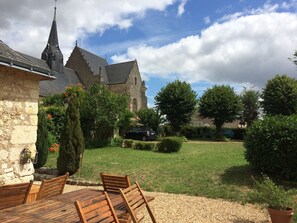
pixel 52 53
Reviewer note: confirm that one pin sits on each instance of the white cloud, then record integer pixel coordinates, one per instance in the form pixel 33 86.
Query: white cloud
pixel 181 7
pixel 249 49
pixel 26 23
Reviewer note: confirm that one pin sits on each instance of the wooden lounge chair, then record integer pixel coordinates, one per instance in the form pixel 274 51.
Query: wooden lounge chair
pixel 136 201
pixel 52 187
pixel 15 194
pixel 98 209
pixel 112 183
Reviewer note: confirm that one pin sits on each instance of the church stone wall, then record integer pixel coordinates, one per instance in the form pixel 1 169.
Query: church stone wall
pixel 19 93
pixel 136 89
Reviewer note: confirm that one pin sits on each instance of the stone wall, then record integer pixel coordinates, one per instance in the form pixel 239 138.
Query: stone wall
pixel 19 93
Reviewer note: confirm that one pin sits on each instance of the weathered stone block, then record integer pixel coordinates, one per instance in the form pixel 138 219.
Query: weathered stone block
pixel 24 134
pixel 31 108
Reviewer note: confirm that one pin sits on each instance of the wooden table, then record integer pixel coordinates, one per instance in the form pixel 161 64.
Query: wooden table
pixel 58 208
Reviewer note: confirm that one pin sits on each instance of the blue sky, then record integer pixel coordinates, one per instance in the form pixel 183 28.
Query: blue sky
pixel 243 43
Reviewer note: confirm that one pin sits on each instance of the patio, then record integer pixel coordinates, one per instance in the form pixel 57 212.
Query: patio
pixel 173 208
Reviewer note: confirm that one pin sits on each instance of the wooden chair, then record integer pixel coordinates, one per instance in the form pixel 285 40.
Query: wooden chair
pixel 98 209
pixel 112 183
pixel 52 187
pixel 135 201
pixel 15 194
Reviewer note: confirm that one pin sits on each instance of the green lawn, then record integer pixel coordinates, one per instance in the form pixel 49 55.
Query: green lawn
pixel 210 169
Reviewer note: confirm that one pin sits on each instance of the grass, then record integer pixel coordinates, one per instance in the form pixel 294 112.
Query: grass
pixel 216 170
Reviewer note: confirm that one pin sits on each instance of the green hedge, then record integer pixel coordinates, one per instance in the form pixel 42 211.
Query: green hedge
pixel 198 132
pixel 144 146
pixel 170 144
pixel 271 146
pixel 127 143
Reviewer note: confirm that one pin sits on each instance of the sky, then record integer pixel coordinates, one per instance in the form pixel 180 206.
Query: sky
pixel 242 43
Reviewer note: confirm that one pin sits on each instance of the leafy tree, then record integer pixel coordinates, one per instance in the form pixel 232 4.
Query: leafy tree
pixel 42 143
pixel 177 101
pixel 72 140
pixel 100 112
pixel 251 105
pixel 221 104
pixel 149 117
pixel 280 96
pixel 125 121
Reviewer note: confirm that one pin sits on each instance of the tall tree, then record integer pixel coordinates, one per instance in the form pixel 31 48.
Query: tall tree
pixel 251 105
pixel 42 143
pixel 72 141
pixel 149 117
pixel 280 96
pixel 177 101
pixel 221 104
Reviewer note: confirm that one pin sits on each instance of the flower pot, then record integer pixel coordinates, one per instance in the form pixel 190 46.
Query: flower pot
pixel 281 216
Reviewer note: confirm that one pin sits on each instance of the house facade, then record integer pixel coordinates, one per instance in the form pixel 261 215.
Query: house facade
pixel 19 95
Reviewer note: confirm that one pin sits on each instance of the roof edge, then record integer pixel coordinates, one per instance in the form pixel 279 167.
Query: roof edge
pixel 27 67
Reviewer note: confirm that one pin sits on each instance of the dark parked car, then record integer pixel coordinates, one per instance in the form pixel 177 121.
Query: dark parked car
pixel 141 133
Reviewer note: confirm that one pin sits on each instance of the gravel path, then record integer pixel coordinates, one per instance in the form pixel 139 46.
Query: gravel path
pixel 173 208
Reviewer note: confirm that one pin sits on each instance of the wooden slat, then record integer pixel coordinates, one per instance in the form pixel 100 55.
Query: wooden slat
pixel 112 183
pixel 135 201
pixel 96 210
pixel 52 187
pixel 13 195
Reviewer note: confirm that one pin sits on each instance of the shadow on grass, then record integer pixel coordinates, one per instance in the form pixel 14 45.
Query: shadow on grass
pixel 238 175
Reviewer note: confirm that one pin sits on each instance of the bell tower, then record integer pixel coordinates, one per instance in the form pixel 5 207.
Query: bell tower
pixel 52 53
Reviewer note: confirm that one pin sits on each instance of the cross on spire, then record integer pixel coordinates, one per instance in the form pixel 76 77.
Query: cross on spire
pixel 55 10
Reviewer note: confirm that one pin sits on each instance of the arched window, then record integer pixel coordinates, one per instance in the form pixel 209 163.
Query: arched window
pixel 135 80
pixel 134 105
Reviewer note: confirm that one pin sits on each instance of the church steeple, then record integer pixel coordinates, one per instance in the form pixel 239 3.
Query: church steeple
pixel 52 53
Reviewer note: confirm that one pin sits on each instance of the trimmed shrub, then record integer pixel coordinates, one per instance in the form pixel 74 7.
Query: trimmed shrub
pixel 127 143
pixel 271 146
pixel 144 146
pixel 42 143
pixel 116 141
pixel 170 145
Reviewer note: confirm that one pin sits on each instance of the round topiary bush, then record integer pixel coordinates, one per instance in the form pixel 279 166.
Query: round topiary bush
pixel 170 144
pixel 271 146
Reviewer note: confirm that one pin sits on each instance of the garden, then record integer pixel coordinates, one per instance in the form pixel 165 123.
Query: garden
pixel 218 167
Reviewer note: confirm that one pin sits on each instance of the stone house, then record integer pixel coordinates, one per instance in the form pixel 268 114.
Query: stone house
pixel 86 68
pixel 19 94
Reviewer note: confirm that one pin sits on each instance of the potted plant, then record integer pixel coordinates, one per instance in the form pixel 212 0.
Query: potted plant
pixel 278 201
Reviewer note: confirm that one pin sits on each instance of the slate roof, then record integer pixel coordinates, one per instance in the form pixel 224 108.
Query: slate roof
pixel 119 73
pixel 54 86
pixel 69 77
pixel 95 62
pixel 11 58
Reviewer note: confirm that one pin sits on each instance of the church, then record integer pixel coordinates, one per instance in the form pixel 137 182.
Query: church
pixel 86 68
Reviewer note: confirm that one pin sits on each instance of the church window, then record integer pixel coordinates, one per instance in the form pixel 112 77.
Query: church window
pixel 135 80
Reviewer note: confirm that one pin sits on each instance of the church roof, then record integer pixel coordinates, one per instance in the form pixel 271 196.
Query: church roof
pixel 119 73
pixel 11 58
pixel 69 77
pixel 95 62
